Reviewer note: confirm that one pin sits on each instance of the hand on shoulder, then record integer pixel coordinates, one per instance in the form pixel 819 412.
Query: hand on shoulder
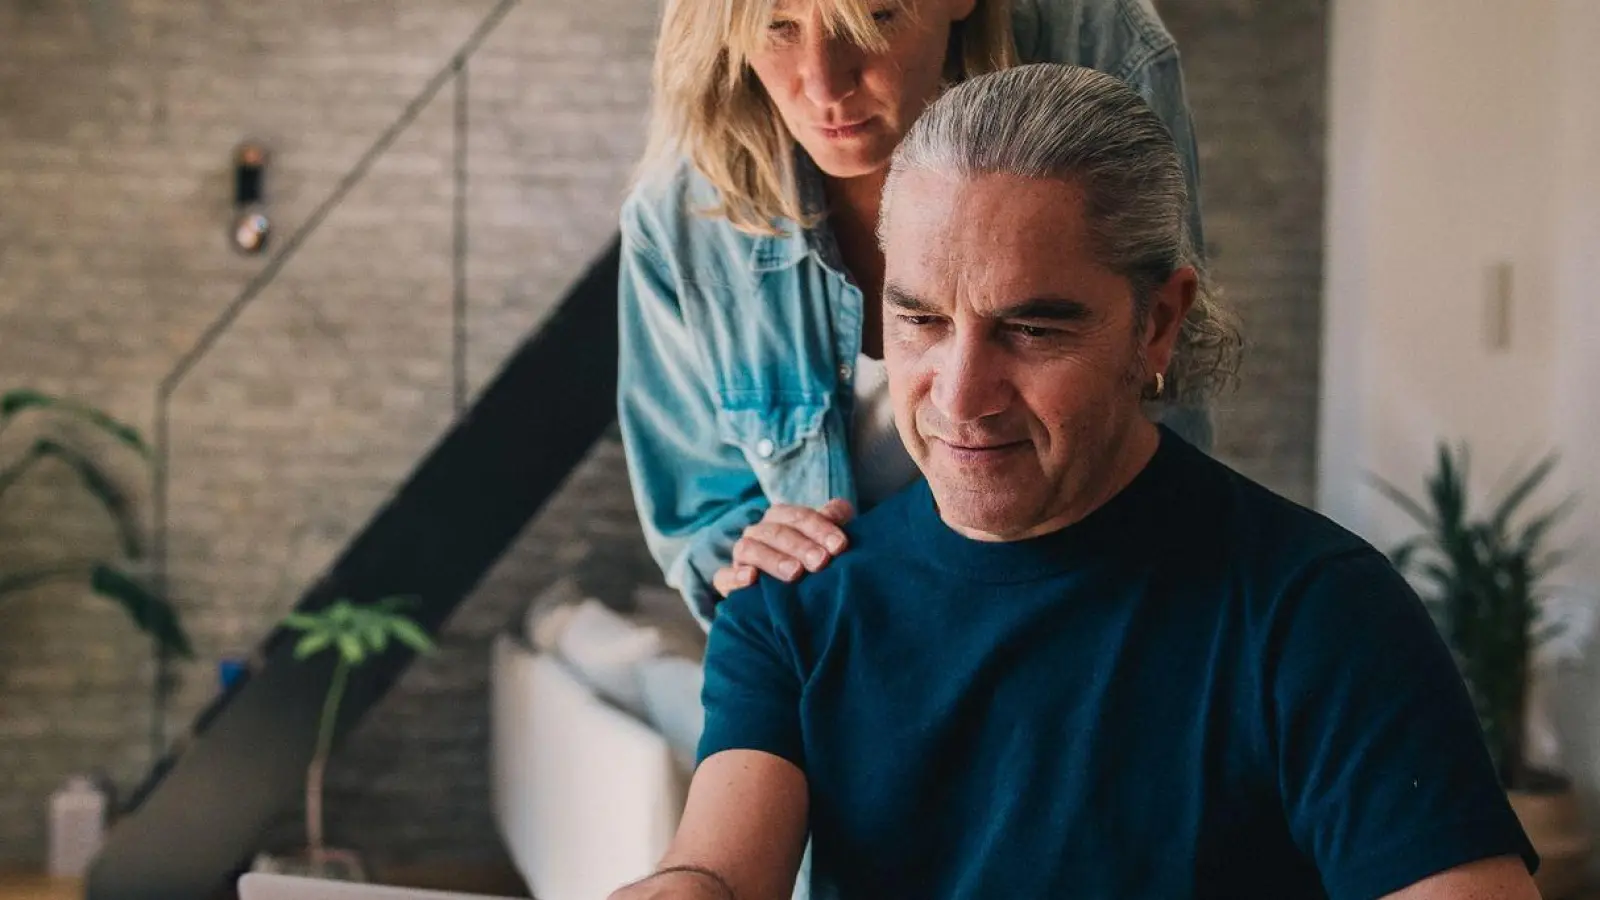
pixel 788 542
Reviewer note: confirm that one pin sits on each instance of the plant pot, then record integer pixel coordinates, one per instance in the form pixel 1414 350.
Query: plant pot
pixel 331 864
pixel 1551 817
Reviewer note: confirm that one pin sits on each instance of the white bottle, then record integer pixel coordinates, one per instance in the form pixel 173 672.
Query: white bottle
pixel 77 827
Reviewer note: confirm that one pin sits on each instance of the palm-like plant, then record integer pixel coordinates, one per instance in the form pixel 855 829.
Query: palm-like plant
pixel 356 633
pixel 110 578
pixel 1483 582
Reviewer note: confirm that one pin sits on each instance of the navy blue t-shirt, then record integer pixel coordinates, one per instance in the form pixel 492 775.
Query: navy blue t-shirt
pixel 1201 690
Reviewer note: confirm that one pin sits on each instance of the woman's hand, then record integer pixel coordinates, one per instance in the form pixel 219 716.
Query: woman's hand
pixel 787 541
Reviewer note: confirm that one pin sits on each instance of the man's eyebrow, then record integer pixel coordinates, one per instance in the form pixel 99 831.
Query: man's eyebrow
pixel 902 299
pixel 1038 309
pixel 1045 309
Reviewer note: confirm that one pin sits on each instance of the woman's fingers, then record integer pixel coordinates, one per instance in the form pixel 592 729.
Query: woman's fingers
pixel 839 510
pixel 777 550
pixel 788 541
pixel 820 526
pixel 732 578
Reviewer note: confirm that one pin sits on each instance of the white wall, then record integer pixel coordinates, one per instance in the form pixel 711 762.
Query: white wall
pixel 1464 133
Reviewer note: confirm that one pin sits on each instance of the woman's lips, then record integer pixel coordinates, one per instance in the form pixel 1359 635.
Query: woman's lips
pixel 848 130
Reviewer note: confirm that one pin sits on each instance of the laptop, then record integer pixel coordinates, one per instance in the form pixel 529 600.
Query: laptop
pixel 271 886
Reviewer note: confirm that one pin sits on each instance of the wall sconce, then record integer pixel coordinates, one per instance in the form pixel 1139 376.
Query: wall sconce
pixel 250 224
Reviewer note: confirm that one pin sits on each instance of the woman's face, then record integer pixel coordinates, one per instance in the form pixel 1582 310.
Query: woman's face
pixel 847 105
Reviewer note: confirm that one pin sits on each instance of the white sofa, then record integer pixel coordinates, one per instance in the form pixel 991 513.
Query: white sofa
pixel 593 722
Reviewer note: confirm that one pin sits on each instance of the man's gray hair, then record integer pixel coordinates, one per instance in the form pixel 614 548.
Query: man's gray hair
pixel 1076 124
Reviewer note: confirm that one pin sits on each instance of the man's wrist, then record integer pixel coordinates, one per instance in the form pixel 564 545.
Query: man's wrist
pixel 707 877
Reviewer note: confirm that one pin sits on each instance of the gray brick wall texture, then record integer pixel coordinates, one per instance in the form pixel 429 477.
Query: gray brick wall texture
pixel 117 120
pixel 1256 72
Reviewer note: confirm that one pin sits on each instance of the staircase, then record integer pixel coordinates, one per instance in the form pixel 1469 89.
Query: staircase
pixel 194 823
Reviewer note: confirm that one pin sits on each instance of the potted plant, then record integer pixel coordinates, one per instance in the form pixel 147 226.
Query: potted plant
pixel 356 634
pixel 114 576
pixel 1484 580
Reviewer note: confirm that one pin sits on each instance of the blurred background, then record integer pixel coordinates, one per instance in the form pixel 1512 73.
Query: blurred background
pixel 1400 201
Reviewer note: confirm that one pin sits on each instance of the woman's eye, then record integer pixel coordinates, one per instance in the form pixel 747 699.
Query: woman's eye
pixel 883 16
pixel 782 29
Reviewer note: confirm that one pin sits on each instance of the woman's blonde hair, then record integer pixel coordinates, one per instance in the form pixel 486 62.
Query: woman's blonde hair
pixel 709 107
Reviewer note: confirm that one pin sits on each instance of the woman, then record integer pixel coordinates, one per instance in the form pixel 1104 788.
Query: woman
pixel 752 399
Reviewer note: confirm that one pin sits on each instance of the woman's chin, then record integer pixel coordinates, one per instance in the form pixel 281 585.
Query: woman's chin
pixel 848 158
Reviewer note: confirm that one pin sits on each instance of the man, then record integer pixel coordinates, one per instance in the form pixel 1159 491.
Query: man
pixel 1080 658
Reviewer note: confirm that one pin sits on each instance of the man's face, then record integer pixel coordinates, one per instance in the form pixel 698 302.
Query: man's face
pixel 1016 360
pixel 848 106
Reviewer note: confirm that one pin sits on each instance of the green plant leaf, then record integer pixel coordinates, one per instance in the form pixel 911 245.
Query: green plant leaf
pixel 410 634
pixel 13 473
pixel 14 403
pixel 1404 554
pixel 1400 498
pixel 21 581
pixel 1507 507
pixel 103 488
pixel 350 649
pixel 312 643
pixel 340 612
pixel 151 612
pixel 302 621
pixel 1534 532
pixel 1447 488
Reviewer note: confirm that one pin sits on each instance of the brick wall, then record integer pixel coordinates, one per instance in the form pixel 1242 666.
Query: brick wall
pixel 117 119
pixel 1256 73
pixel 115 142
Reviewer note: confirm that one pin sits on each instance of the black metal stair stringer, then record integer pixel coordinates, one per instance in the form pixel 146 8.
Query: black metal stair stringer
pixel 243 766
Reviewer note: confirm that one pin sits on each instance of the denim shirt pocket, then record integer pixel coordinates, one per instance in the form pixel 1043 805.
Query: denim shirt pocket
pixel 786 444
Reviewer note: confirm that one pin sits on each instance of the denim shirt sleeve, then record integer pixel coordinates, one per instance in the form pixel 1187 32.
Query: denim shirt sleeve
pixel 695 493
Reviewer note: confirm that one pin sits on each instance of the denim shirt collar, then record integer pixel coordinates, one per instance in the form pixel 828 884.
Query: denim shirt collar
pixel 769 253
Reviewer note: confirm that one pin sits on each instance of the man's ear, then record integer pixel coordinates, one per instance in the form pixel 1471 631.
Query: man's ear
pixel 1169 306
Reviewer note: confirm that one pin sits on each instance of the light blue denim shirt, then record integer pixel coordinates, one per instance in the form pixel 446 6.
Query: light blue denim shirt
pixel 738 351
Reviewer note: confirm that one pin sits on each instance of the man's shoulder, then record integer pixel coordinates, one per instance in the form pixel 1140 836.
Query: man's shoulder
pixel 880 552
pixel 1282 562
pixel 1272 534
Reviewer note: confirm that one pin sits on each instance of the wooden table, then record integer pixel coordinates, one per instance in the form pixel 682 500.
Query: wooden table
pixel 496 880
pixel 23 886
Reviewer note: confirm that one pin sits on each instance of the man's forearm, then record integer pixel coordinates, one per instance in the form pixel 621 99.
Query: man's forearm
pixel 678 882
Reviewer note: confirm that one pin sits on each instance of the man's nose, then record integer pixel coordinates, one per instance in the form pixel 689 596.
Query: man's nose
pixel 970 383
pixel 830 68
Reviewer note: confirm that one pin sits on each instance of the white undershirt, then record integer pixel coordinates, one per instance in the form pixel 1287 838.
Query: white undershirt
pixel 878 457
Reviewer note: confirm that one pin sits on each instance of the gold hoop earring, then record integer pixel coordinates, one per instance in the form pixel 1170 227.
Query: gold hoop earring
pixel 1159 388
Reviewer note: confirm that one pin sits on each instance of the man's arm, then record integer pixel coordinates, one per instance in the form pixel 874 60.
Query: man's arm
pixel 741 836
pixel 744 825
pixel 1387 783
pixel 1501 878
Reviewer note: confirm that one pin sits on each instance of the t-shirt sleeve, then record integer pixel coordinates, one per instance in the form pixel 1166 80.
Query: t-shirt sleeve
pixel 1385 775
pixel 752 676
